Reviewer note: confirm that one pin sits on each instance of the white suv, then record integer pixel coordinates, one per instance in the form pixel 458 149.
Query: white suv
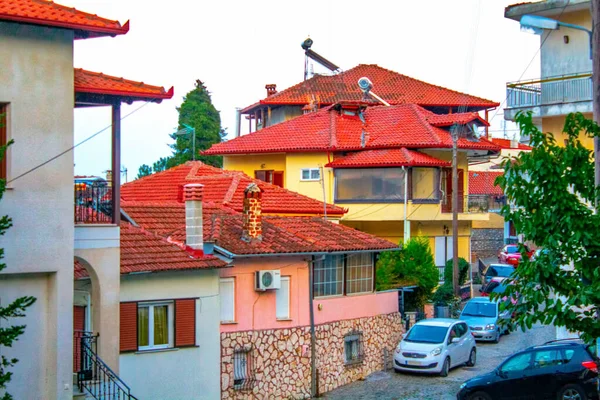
pixel 436 345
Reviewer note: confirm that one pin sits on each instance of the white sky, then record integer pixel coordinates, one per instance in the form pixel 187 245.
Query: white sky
pixel 236 47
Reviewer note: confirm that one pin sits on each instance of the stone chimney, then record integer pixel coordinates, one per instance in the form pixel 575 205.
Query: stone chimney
pixel 252 214
pixel 271 89
pixel 192 194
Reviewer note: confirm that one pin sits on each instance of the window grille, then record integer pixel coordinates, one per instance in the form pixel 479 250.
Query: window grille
pixel 359 273
pixel 243 377
pixel 353 348
pixel 329 276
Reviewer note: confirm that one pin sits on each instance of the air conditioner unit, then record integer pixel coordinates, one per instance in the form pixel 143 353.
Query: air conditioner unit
pixel 267 280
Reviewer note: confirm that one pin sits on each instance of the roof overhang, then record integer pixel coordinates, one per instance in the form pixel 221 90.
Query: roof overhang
pixel 545 8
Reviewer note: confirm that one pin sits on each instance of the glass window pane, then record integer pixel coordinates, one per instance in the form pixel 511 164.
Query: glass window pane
pixel 328 276
pixel 143 326
pixel 359 273
pixel 369 184
pixel 314 174
pixel 305 174
pixel 161 325
pixel 517 363
pixel 425 183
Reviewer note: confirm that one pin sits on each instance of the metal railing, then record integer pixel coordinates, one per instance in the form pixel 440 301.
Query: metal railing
pixel 550 90
pixel 93 203
pixel 94 377
pixel 474 203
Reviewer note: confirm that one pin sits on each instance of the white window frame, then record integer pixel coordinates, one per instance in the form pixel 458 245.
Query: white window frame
pixel 232 280
pixel 321 270
pixel 170 322
pixel 287 315
pixel 365 264
pixel 310 171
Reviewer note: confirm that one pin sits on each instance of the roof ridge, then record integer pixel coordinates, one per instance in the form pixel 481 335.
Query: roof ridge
pixel 235 181
pixel 426 123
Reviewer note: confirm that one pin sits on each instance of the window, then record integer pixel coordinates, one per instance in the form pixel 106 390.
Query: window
pixel 518 363
pixel 547 358
pixel 155 326
pixel 443 250
pixel 353 348
pixel 310 174
pixel 264 175
pixel 365 185
pixel 242 368
pixel 282 299
pixel 359 273
pixel 425 184
pixel 3 138
pixel 227 295
pixel 328 276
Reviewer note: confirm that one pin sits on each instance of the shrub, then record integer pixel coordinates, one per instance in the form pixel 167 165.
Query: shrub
pixel 463 271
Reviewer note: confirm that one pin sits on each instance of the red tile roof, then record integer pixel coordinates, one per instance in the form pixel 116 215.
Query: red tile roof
pixel 393 87
pixel 99 83
pixel 47 13
pixel 505 144
pixel 144 251
pixel 399 126
pixel 281 235
pixel 222 187
pixel 387 158
pixel 451 119
pixel 482 182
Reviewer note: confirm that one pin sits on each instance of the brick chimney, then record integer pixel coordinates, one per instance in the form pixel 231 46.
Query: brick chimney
pixel 192 194
pixel 252 214
pixel 271 89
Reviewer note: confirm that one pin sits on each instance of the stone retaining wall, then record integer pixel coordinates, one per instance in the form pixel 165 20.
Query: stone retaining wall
pixel 280 358
pixel 486 243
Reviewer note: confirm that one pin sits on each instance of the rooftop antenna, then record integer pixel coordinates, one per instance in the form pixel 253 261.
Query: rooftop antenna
pixel 306 45
pixel 366 85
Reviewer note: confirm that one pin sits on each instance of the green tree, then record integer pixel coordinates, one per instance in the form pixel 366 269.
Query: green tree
pixel 413 265
pixel 162 163
pixel 144 170
pixel 552 193
pixel 16 309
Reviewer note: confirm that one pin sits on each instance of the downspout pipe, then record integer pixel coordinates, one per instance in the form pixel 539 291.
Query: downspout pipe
pixel 405 236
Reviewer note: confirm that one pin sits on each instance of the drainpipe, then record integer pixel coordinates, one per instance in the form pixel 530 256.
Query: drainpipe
pixel 405 203
pixel 238 121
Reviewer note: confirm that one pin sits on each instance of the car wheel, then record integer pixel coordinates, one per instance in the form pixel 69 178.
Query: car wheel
pixel 479 396
pixel 571 392
pixel 472 358
pixel 445 367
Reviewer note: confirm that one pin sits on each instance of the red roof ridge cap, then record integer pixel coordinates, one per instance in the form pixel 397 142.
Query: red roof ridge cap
pixel 235 181
pixel 416 109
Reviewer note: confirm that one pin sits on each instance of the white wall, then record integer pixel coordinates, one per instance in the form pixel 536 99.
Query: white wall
pixel 187 373
pixel 36 79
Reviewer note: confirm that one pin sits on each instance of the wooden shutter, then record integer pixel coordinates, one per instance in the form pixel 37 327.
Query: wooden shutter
pixel 79 318
pixel 278 178
pixel 128 331
pixel 185 322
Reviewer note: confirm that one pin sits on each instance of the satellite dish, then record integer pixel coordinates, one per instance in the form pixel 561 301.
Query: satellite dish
pixel 365 84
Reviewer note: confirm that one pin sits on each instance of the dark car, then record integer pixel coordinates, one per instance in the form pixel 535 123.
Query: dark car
pixel 498 271
pixel 495 285
pixel 563 370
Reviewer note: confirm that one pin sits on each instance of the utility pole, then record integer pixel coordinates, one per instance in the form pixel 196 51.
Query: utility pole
pixel 313 336
pixel 595 4
pixel 455 286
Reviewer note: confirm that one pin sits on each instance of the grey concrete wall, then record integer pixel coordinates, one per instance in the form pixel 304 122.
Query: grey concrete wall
pixel 486 243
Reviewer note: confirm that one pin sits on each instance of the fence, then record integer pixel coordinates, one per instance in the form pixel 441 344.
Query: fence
pixel 550 90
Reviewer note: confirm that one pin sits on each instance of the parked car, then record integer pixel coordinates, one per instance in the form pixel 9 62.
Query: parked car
pixel 485 319
pixel 510 254
pixel 495 285
pixel 563 370
pixel 435 346
pixel 498 270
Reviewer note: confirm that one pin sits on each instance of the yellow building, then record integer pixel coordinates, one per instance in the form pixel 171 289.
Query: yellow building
pixel 565 83
pixel 390 167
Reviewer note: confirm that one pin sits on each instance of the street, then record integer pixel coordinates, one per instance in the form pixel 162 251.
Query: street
pixel 400 386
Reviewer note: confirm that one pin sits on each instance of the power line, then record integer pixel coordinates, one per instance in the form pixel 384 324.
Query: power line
pixel 73 147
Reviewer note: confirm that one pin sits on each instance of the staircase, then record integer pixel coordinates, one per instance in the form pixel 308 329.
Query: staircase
pixel 94 379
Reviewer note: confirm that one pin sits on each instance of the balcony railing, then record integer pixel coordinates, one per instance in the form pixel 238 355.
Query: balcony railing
pixel 474 203
pixel 550 90
pixel 93 203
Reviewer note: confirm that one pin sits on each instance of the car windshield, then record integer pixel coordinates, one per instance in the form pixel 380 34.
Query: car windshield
pixel 500 270
pixel 427 334
pixel 495 287
pixel 480 309
pixel 512 249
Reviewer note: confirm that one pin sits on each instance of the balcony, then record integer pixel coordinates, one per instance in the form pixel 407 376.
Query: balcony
pixel 94 202
pixel 551 96
pixel 474 203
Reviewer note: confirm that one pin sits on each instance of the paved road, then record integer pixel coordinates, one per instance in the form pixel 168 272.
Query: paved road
pixel 392 385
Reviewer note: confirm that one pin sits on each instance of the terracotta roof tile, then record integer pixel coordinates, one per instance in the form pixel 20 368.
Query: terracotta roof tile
pixel 387 158
pixel 482 182
pixel 505 144
pixel 399 126
pixel 99 83
pixel 144 251
pixel 222 187
pixel 281 235
pixel 393 87
pixel 47 13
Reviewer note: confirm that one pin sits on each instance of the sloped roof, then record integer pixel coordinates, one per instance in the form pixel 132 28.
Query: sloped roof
pixel 280 235
pixel 99 83
pixel 505 144
pixel 144 251
pixel 406 125
pixel 222 187
pixel 47 13
pixel 387 158
pixel 482 182
pixel 393 87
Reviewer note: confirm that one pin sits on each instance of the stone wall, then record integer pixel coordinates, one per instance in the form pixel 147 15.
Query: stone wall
pixel 280 358
pixel 486 243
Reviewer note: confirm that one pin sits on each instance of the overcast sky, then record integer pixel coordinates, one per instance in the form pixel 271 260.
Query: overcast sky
pixel 236 47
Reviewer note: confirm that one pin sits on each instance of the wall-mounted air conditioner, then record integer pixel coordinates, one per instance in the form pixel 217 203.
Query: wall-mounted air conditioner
pixel 267 280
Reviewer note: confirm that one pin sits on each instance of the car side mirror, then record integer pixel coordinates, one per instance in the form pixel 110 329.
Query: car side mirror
pixel 500 373
pixel 455 340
